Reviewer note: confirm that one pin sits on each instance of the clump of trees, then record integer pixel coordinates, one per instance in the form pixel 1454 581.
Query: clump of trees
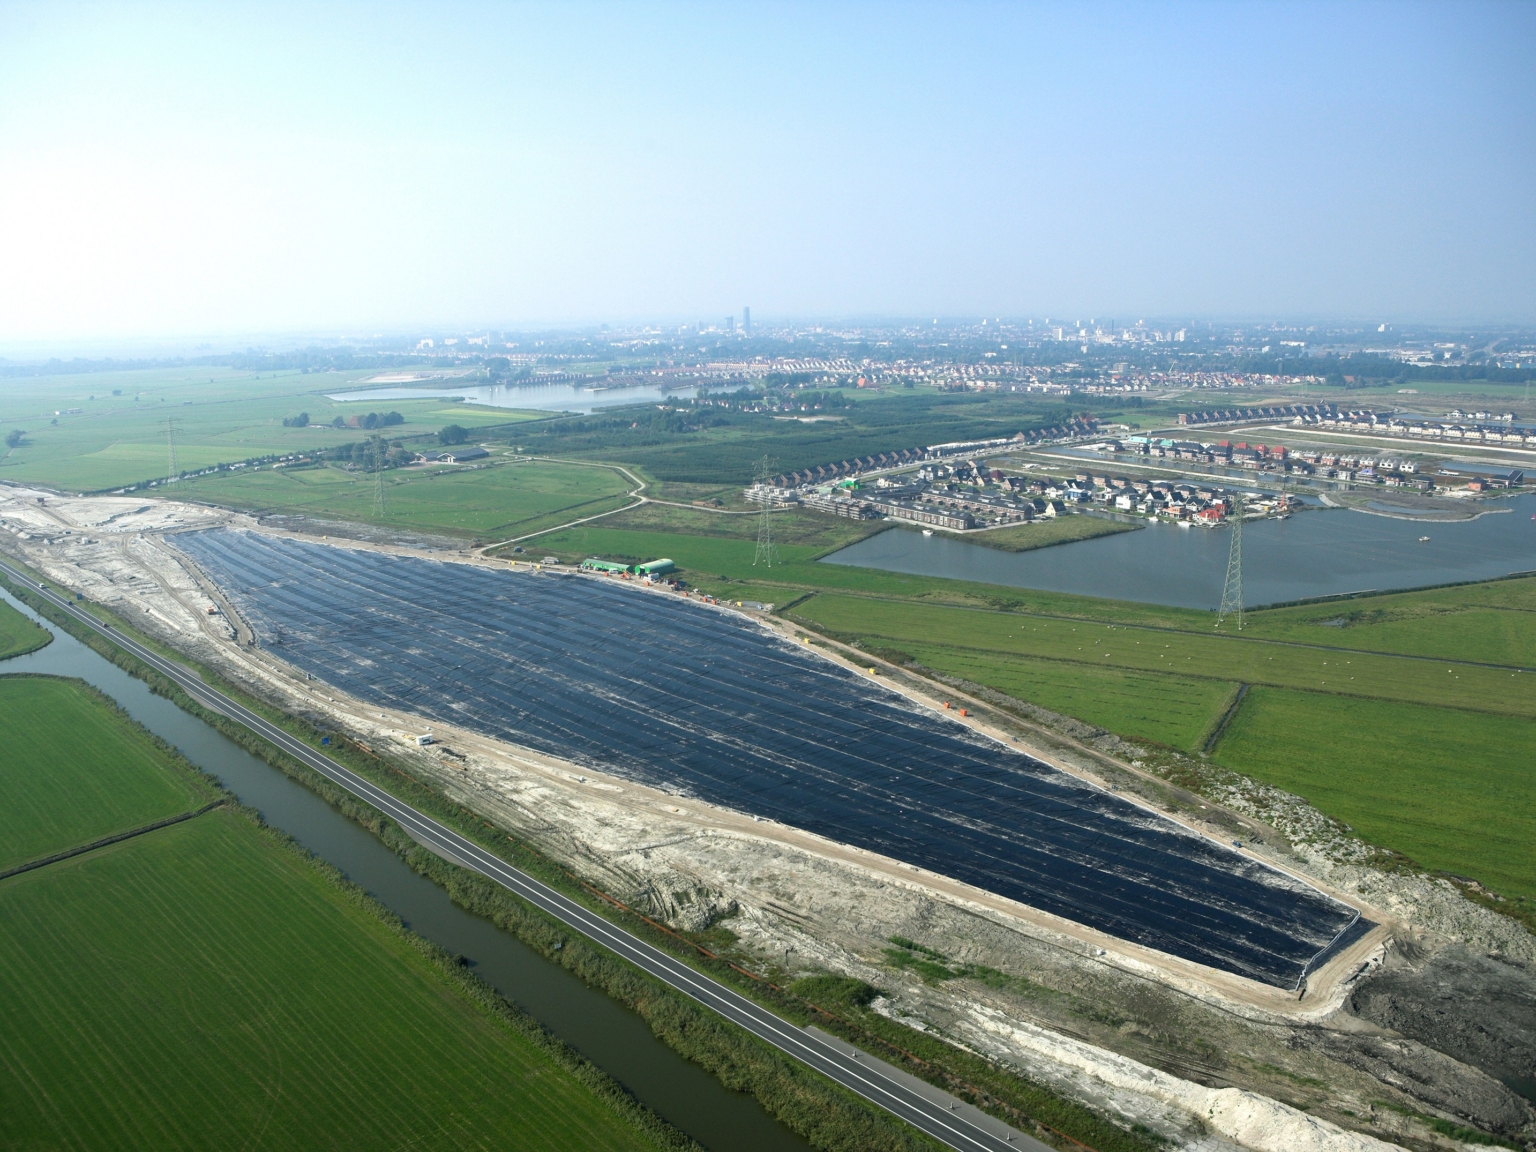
pixel 299 421
pixel 380 420
pixel 500 369
pixel 453 434
pixel 374 454
pixel 14 437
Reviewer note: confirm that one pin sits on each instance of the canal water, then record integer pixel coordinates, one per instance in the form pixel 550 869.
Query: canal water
pixel 604 1031
pixel 1316 552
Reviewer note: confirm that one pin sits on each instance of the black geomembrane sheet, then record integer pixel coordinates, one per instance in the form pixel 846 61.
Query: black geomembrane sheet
pixel 706 703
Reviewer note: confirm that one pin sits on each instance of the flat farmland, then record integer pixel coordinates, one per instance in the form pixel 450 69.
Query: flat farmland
pixel 75 769
pixel 1226 658
pixel 1178 711
pixel 202 986
pixel 221 415
pixel 19 635
pixel 1491 623
pixel 1452 789
pixel 503 499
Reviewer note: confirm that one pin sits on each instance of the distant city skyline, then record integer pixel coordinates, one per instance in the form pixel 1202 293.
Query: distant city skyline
pixel 250 169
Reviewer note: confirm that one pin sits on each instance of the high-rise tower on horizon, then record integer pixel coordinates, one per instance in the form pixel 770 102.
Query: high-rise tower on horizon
pixel 746 320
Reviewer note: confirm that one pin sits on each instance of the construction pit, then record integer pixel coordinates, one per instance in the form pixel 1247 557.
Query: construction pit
pixel 1202 1054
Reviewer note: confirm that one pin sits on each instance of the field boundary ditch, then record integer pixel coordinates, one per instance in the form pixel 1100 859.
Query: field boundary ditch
pixel 116 838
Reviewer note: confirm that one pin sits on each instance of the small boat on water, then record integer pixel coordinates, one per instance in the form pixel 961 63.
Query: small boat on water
pixel 927 531
pixel 1422 539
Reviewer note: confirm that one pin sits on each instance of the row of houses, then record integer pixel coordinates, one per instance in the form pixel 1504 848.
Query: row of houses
pixel 1380 424
pixel 1277 412
pixel 827 473
pixel 843 469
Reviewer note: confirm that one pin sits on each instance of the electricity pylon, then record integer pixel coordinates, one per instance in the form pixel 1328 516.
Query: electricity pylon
pixel 380 501
pixel 1232 590
pixel 170 448
pixel 764 553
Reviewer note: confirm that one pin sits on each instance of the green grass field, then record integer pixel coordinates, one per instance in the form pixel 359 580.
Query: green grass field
pixel 19 635
pixel 205 985
pixel 221 416
pixel 1425 758
pixel 504 499
pixel 75 769
pixel 1145 650
pixel 1044 533
pixel 1453 790
pixel 1491 623
pixel 1174 710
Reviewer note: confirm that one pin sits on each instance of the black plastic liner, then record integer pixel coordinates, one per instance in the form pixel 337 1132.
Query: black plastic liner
pixel 702 702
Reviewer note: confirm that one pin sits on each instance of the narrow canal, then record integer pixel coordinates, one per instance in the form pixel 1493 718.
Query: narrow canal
pixel 603 1031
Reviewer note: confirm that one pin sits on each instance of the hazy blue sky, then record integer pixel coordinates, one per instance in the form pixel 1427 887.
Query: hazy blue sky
pixel 219 168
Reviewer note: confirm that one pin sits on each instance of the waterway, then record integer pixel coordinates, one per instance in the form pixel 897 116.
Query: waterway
pixel 582 398
pixel 1316 552
pixel 604 1031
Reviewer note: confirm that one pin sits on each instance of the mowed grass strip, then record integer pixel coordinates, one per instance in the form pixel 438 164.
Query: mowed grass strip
pixel 453 499
pixel 76 769
pixel 1178 711
pixel 1226 658
pixel 1453 790
pixel 18 634
pixel 203 986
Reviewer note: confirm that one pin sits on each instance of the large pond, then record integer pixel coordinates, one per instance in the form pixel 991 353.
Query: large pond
pixel 608 1034
pixel 1317 552
pixel 583 398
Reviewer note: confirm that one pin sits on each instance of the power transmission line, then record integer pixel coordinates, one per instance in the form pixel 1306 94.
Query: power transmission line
pixel 765 550
pixel 170 448
pixel 1232 590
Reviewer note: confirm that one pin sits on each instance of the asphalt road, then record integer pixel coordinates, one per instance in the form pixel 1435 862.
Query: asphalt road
pixel 944 1125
